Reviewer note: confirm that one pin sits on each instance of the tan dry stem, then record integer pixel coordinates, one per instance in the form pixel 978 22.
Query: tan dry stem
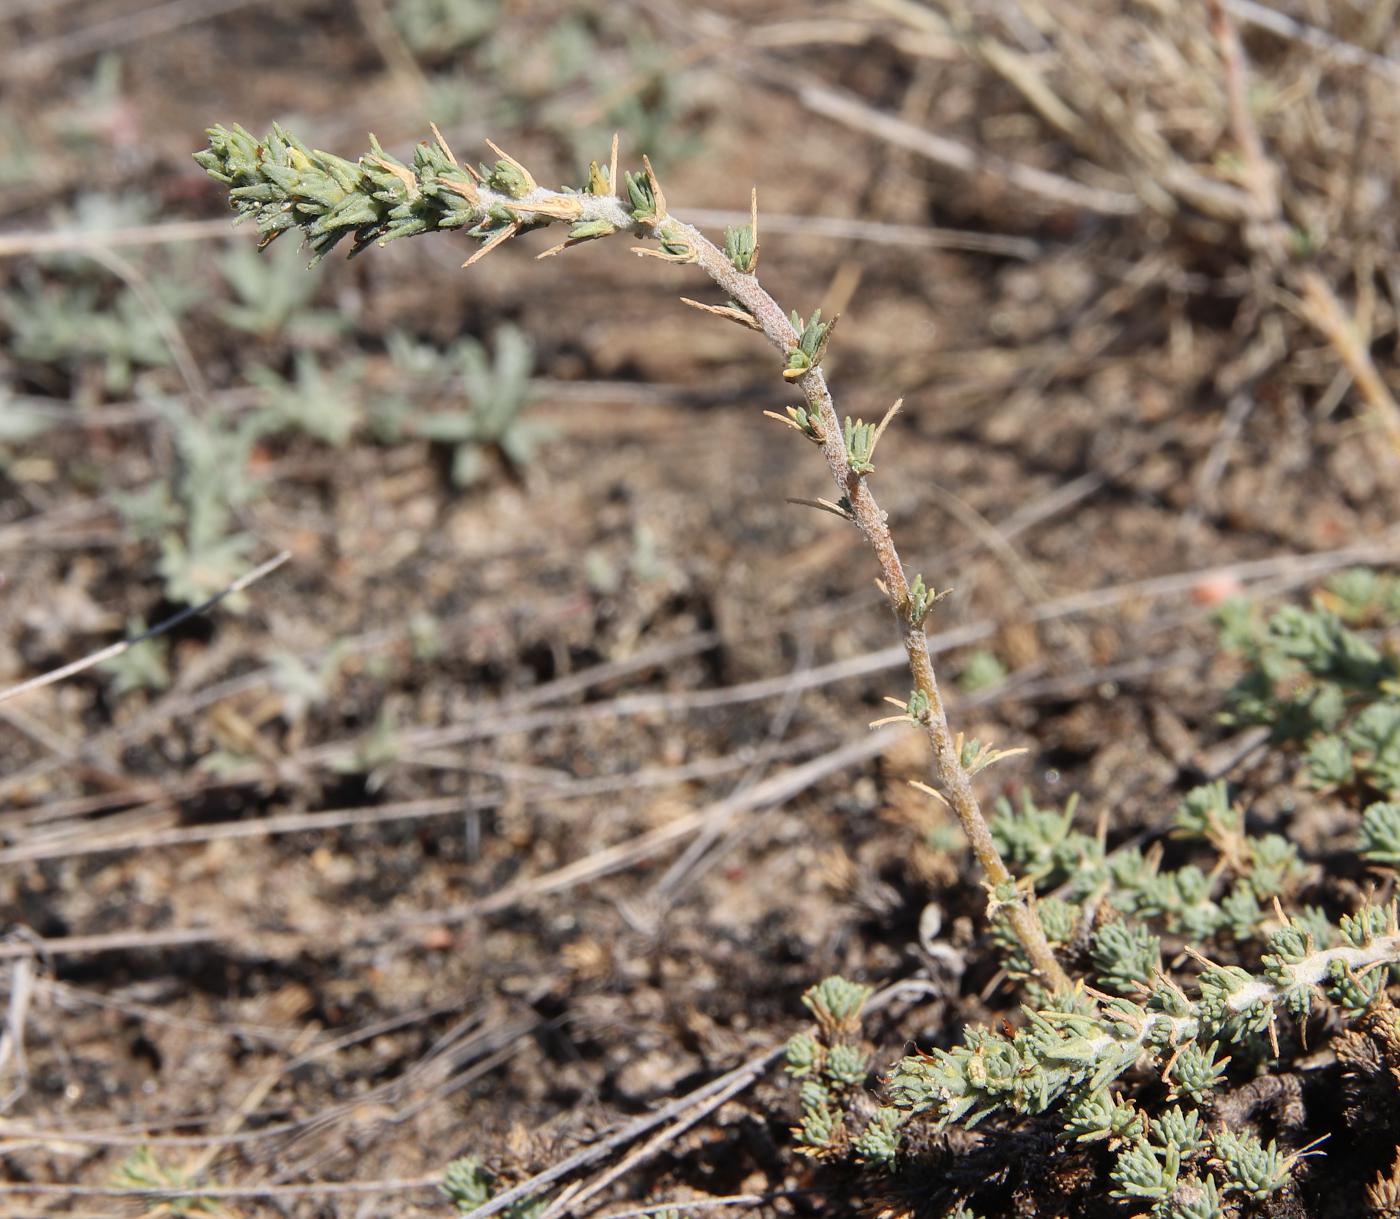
pixel 953 777
pixel 744 289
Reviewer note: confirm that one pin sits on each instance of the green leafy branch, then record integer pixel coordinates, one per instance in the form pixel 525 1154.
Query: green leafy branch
pixel 1069 1053
pixel 281 184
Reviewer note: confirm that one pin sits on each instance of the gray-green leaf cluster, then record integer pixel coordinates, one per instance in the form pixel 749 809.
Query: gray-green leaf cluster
pixel 1317 678
pixel 492 387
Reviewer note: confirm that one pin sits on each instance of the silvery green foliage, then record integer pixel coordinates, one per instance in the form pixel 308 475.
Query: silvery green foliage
pixel 272 293
pixel 1317 680
pixel 63 323
pixel 1044 846
pixel 1071 1053
pixel 142 666
pixel 1071 1058
pixel 442 27
pixel 203 550
pixel 860 438
pixel 468 1184
pixel 547 73
pixel 1124 954
pixel 832 1066
pixel 281 184
pixel 1077 1059
pixel 741 247
pixel 322 405
pixel 97 212
pixel 814 334
pixel 878 1143
pixel 301 684
pixel 215 481
pixel 1248 1167
pixel 981 670
pixel 836 1004
pixel 142 1170
pixel 1380 834
pixel 70 319
pixel 496 386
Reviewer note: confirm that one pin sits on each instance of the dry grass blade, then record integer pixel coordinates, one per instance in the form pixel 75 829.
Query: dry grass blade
pixel 1327 313
pixel 21 987
pixel 1264 17
pixel 290 823
pixel 651 1148
pixel 851 111
pixel 78 839
pixel 150 22
pixel 729 1084
pixel 33 243
pixel 116 649
pixel 774 790
pixel 323 1189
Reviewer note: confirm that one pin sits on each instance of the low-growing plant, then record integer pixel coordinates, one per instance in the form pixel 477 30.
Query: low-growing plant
pixel 143 1170
pixel 103 212
pixel 442 28
pixel 320 404
pixel 68 317
pixel 143 666
pixel 70 324
pixel 574 73
pixel 283 185
pixel 832 1067
pixel 1142 1056
pixel 496 386
pixel 194 518
pixel 1122 1059
pixel 643 564
pixel 1317 678
pixel 981 670
pixel 376 752
pixel 271 293
pixel 468 1184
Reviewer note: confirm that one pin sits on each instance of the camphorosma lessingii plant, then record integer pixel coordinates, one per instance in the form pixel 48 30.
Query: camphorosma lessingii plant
pixel 282 185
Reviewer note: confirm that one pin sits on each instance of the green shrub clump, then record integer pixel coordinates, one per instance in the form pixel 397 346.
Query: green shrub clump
pixel 1191 979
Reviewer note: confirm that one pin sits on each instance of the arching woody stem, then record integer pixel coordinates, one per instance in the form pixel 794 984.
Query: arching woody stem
pixel 282 184
pixel 953 778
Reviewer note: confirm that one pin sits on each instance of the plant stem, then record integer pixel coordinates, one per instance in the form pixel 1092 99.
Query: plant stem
pixel 285 185
pixel 873 522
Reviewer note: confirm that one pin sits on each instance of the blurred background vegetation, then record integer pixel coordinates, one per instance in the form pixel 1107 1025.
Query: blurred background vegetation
pixel 497 814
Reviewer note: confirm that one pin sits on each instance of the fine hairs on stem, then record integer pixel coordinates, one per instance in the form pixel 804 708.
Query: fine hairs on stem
pixel 282 184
